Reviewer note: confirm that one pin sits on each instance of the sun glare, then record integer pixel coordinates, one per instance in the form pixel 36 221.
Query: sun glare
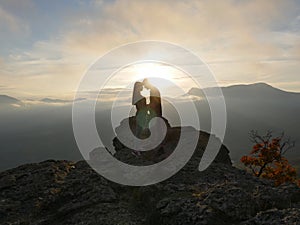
pixel 153 70
pixel 168 79
pixel 163 76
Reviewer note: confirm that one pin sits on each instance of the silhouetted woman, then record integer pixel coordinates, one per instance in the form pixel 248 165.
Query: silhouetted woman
pixel 141 115
pixel 137 98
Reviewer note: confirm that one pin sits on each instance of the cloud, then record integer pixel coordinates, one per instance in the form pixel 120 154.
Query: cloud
pixel 109 95
pixel 52 100
pixel 10 23
pixel 205 24
pixel 228 31
pixel 238 39
pixel 5 88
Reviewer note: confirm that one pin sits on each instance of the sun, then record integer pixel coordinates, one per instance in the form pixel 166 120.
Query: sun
pixel 167 78
pixel 153 70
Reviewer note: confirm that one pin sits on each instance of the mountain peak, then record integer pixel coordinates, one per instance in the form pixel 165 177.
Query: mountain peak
pixel 260 85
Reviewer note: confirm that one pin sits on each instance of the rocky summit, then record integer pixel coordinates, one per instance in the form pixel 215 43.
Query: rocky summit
pixel 64 192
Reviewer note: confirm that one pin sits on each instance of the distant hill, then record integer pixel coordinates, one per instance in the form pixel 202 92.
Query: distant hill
pixel 55 100
pixel 257 90
pixel 259 107
pixel 5 99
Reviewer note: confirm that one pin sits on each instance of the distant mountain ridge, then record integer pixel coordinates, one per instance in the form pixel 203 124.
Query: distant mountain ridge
pixel 246 90
pixel 5 99
pixel 258 106
pixel 56 100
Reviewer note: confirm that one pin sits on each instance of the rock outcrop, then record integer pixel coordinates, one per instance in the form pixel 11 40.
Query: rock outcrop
pixel 63 192
pixel 167 146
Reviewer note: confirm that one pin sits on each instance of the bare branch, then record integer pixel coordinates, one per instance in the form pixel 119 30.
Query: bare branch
pixel 287 145
pixel 255 137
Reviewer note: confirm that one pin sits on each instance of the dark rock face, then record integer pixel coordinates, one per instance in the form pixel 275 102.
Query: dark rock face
pixel 60 192
pixel 63 192
pixel 167 146
pixel 275 216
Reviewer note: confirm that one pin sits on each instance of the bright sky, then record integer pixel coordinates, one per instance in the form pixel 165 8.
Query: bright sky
pixel 46 46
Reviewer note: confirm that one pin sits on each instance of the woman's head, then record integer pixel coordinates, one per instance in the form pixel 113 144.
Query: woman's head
pixel 138 86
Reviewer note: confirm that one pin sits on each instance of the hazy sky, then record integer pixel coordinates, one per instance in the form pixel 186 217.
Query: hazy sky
pixel 46 46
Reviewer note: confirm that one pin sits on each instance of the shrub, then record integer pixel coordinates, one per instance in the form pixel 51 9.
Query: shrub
pixel 267 160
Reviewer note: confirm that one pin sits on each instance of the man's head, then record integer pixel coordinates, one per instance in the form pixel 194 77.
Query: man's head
pixel 146 83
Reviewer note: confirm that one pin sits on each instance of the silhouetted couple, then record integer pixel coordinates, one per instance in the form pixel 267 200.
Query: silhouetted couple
pixel 145 112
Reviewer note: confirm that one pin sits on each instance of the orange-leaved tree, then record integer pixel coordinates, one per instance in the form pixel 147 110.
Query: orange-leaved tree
pixel 267 159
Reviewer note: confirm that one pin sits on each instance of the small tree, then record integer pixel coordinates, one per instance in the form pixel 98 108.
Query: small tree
pixel 267 158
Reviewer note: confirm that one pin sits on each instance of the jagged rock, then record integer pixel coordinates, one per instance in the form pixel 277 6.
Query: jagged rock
pixel 230 200
pixel 276 217
pixel 168 145
pixel 62 192
pixel 179 211
pixel 7 181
